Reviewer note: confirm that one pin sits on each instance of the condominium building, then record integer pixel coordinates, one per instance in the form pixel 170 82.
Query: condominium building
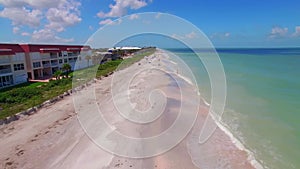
pixel 43 60
pixel 12 65
pixel 20 62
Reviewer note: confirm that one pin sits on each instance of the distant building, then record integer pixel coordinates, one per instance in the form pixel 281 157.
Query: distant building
pixel 19 62
pixel 12 65
pixel 123 51
pixel 101 57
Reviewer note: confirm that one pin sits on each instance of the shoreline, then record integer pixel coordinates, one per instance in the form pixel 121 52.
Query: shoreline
pixel 58 140
pixel 251 157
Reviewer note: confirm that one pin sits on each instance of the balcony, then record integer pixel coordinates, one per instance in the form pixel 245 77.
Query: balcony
pixel 36 65
pixel 3 71
pixel 4 59
pixel 73 54
pixel 54 63
pixel 46 65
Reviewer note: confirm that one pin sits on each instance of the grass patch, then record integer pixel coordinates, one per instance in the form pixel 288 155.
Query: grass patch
pixel 24 96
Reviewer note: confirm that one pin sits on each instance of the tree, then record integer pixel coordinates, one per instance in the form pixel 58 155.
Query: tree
pixel 66 68
pixel 88 58
pixel 57 74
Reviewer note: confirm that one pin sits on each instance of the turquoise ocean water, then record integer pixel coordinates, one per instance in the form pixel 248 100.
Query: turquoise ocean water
pixel 263 100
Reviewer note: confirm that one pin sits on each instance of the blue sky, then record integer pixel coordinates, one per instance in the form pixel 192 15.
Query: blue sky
pixel 227 23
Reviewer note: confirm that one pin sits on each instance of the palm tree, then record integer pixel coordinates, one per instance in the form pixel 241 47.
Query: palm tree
pixel 88 58
pixel 57 74
pixel 67 68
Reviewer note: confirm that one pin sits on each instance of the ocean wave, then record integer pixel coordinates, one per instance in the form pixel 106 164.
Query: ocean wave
pixel 235 141
pixel 238 143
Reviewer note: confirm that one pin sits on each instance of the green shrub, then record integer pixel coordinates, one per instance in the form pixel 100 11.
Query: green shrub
pixel 19 95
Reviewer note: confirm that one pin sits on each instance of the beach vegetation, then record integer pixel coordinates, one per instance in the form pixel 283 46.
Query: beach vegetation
pixel 57 74
pixel 66 68
pixel 24 96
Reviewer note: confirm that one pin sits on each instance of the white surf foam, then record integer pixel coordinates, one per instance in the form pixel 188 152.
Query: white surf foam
pixel 173 62
pixel 237 143
pixel 205 102
pixel 234 140
pixel 186 79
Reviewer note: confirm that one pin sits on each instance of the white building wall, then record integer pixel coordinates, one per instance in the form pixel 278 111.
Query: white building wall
pixel 20 77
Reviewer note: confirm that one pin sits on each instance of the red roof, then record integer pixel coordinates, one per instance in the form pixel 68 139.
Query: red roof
pixel 52 48
pixel 11 49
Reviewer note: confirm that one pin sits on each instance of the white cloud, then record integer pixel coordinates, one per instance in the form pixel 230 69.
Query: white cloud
pixel 297 28
pixel 105 22
pixel 278 32
pixel 12 3
pixel 220 35
pixel 63 16
pixel 134 16
pixel 121 6
pixel 25 34
pixel 297 32
pixel 191 35
pixel 110 22
pixel 175 36
pixel 16 30
pixel 48 36
pixel 45 4
pixel 47 15
pixel 40 4
pixel 22 16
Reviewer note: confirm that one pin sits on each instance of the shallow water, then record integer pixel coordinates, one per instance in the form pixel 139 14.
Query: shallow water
pixel 263 94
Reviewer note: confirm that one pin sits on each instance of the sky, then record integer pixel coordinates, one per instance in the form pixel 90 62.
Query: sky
pixel 227 23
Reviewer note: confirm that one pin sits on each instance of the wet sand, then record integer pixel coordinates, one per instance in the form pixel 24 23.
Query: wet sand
pixel 54 138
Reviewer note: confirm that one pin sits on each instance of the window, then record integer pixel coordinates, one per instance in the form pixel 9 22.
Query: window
pixel 36 64
pixel 53 55
pixel 60 61
pixel 65 53
pixel 18 66
pixel 65 60
pixel 70 54
pixel 6 81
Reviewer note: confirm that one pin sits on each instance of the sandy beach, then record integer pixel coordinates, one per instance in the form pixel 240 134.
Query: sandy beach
pixel 54 138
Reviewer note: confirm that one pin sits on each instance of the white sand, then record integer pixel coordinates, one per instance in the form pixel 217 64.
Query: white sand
pixel 53 137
